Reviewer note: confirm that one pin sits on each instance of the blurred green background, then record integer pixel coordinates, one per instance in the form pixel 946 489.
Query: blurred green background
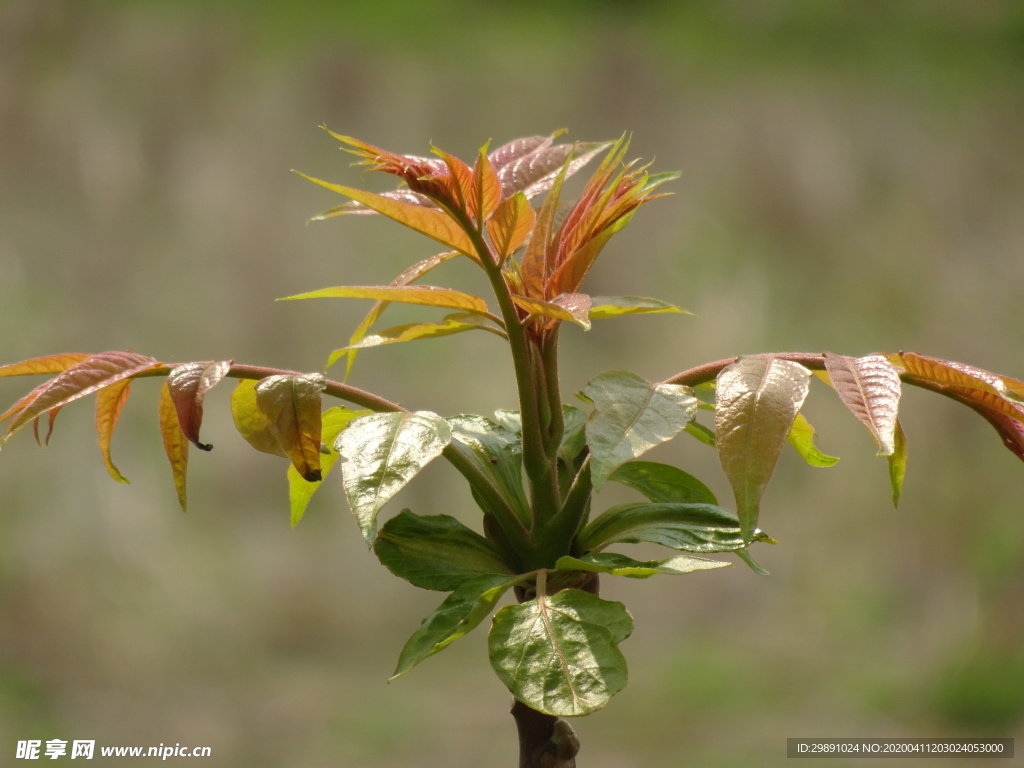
pixel 853 180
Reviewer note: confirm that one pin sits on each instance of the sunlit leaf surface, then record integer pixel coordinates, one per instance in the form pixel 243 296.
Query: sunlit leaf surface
pixel 870 388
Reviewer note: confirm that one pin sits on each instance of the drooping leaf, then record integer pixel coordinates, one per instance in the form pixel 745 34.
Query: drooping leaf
pixel 382 452
pixel 300 490
pixel 40 365
pixel 109 403
pixel 801 437
pixel 870 388
pixel 559 654
pixel 574 307
pixel 898 463
pixel 498 454
pixel 290 407
pixel 602 307
pixel 189 384
pixel 700 528
pixel 405 277
pixel 435 551
pixel 620 565
pixel 460 613
pixel 427 295
pixel 250 422
pixel 663 483
pixel 76 381
pixel 432 222
pixel 175 443
pixel 757 401
pixel 511 224
pixel 630 416
pixel 452 324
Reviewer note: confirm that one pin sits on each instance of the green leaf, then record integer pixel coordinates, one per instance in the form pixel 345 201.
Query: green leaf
pixel 700 528
pixel 497 453
pixel 602 307
pixel 620 565
pixel 801 437
pixel 249 422
pixel 702 433
pixel 382 452
pixel 459 614
pixel 574 434
pixel 175 443
pixel 435 551
pixel 559 654
pixel 898 463
pixel 300 490
pixel 756 567
pixel 290 407
pixel 631 416
pixel 426 295
pixel 870 388
pixel 431 222
pixel 189 384
pixel 663 483
pixel 757 401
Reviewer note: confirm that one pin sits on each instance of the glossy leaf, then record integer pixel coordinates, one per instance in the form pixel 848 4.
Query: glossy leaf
pixel 615 564
pixel 511 224
pixel 663 483
pixel 485 189
pixel 898 463
pixel 382 452
pixel 250 422
pixel 452 324
pixel 460 613
pixel 189 384
pixel 300 490
pixel 531 165
pixel 175 443
pixel 801 437
pixel 76 381
pixel 758 399
pixel 870 388
pixel 290 406
pixel 574 307
pixel 109 403
pixel 559 654
pixel 630 416
pixel 498 454
pixel 689 527
pixel 432 222
pixel 537 262
pixel 426 295
pixel 435 551
pixel 602 307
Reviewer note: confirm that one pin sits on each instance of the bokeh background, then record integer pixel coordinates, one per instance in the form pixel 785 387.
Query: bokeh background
pixel 853 180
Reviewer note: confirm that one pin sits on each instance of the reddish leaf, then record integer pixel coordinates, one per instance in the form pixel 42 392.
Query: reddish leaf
pixel 109 403
pixel 537 263
pixel 532 165
pixel 511 224
pixel 980 389
pixel 456 186
pixel 486 189
pixel 175 443
pixel 189 384
pixel 870 388
pixel 290 406
pixel 83 378
pixel 574 307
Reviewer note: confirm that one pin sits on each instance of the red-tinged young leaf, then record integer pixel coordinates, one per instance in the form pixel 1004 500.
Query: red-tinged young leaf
pixel 457 183
pixel 433 223
pixel 1010 430
pixel 290 406
pixel 537 263
pixel 898 463
pixel 48 364
pixel 405 277
pixel 426 295
pixel 511 224
pixel 175 443
pixel 969 385
pixel 574 307
pixel 189 384
pixel 250 422
pixel 79 380
pixel 485 190
pixel 532 165
pixel 870 388
pixel 757 400
pixel 109 403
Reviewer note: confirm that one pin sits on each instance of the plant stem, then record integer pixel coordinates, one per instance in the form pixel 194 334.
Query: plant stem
pixel 545 741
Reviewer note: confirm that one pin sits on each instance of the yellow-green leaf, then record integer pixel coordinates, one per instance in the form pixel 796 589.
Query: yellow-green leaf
pixel 290 406
pixel 426 295
pixel 801 437
pixel 250 422
pixel 615 306
pixel 175 443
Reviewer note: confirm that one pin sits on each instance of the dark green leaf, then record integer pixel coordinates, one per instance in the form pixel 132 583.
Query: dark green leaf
pixel 630 416
pixel 663 483
pixel 382 452
pixel 689 527
pixel 620 565
pixel 497 453
pixel 435 551
pixel 559 654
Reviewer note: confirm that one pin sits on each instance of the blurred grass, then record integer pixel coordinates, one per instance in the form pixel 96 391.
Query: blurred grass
pixel 853 180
